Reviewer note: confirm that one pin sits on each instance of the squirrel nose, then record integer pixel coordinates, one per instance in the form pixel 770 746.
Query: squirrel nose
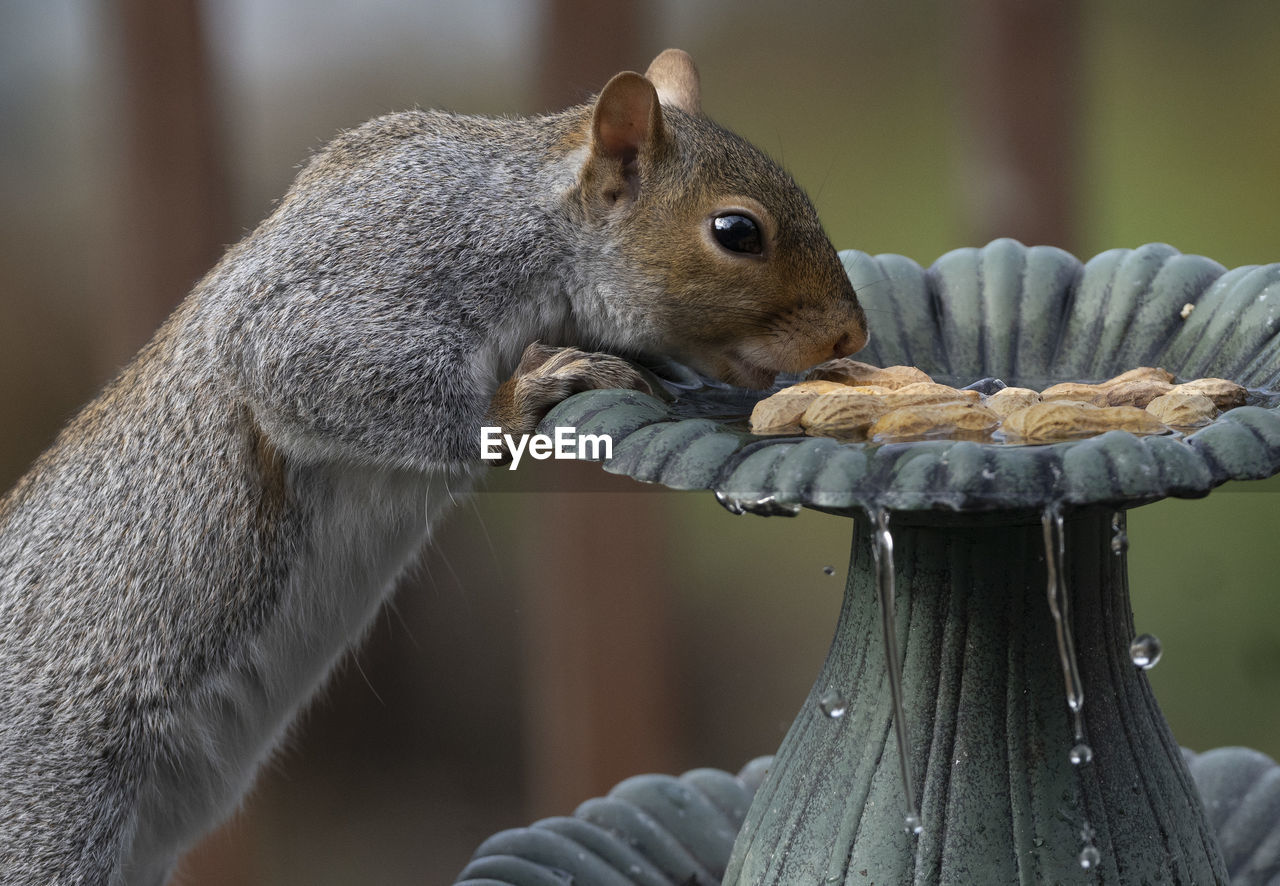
pixel 844 346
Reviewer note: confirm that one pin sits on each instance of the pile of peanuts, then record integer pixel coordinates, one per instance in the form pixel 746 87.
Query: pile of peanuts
pixel 855 401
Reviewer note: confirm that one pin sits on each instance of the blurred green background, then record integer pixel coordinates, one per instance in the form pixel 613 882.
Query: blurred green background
pixel 452 721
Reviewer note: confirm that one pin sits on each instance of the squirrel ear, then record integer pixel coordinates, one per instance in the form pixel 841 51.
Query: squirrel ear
pixel 626 118
pixel 675 76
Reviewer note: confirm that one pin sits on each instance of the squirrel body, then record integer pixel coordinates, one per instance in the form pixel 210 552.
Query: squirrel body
pixel 182 568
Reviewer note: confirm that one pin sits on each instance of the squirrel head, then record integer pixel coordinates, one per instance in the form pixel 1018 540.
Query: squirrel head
pixel 718 246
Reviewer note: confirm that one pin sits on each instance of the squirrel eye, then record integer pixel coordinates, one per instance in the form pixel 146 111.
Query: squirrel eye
pixel 737 233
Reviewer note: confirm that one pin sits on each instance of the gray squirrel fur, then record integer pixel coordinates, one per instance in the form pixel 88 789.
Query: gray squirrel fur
pixel 182 568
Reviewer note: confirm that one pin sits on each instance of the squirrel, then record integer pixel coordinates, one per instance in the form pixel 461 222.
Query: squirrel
pixel 184 565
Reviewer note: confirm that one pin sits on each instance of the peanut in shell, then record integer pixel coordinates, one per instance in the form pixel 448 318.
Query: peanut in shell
pixel 895 377
pixel 932 419
pixel 852 372
pixel 1183 409
pixel 780 413
pixel 841 414
pixel 1135 392
pixel 926 392
pixel 811 388
pixel 1076 393
pixel 1010 400
pixel 1224 394
pixel 1142 373
pixel 1065 420
pixel 844 370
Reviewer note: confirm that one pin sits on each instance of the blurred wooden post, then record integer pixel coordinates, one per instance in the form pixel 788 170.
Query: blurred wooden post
pixel 1019 66
pixel 600 698
pixel 584 43
pixel 175 216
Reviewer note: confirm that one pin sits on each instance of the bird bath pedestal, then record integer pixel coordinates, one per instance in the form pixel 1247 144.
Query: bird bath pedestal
pixel 990 732
pixel 1035 750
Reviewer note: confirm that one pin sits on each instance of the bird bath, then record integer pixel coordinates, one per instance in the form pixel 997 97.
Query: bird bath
pixel 983 715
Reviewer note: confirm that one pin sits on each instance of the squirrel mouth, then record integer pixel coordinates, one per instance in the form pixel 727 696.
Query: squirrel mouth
pixel 740 371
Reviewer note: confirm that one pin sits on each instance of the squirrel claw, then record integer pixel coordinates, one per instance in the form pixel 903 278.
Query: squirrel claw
pixel 547 375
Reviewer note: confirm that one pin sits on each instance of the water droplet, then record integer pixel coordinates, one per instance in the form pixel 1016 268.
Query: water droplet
pixel 1145 651
pixel 1090 857
pixel 1080 754
pixel 1119 534
pixel 833 704
pixel 733 506
pixel 912 824
pixel 829 570
pixel 763 505
pixel 986 386
pixel 677 795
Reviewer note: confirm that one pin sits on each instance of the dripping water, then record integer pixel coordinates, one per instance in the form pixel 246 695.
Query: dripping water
pixel 914 826
pixel 1090 857
pixel 761 505
pixel 1059 607
pixel 730 504
pixel 882 550
pixel 1080 754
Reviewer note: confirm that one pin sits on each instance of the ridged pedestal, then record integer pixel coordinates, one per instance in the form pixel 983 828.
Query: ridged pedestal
pixel 989 727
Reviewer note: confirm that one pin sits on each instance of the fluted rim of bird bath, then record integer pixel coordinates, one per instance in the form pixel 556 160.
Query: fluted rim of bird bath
pixel 638 836
pixel 650 830
pixel 1026 315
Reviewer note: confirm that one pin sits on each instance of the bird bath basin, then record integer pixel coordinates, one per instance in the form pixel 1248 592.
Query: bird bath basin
pixel 983 715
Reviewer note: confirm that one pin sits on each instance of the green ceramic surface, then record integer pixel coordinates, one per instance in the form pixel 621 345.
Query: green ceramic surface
pixel 1029 316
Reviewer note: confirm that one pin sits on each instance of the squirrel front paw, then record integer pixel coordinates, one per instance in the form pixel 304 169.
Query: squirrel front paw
pixel 547 375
